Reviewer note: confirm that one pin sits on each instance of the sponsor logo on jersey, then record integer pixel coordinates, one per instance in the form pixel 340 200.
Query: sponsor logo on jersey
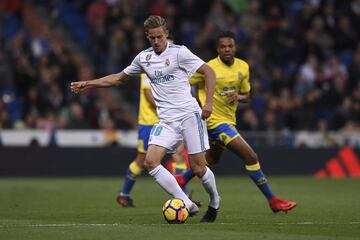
pixel 226 90
pixel 162 79
pixel 159 78
pixel 158 73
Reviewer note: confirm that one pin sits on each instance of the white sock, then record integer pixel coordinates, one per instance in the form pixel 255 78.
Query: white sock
pixel 208 181
pixel 168 182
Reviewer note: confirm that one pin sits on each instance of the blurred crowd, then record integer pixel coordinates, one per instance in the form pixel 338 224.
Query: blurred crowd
pixel 304 58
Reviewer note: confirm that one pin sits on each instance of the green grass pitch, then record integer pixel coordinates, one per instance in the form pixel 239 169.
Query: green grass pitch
pixel 85 208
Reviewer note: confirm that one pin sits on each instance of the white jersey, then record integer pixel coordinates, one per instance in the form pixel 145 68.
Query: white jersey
pixel 169 75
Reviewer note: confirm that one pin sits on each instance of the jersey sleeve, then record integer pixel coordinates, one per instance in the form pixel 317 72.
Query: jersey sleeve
pixel 145 81
pixel 188 61
pixel 245 86
pixel 196 78
pixel 135 67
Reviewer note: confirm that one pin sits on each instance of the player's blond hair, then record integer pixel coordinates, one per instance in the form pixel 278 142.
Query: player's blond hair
pixel 155 21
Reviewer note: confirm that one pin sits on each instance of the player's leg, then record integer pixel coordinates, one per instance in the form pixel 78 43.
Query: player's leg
pixel 207 177
pixel 177 161
pixel 196 140
pixel 178 165
pixel 164 138
pixel 243 150
pixel 212 157
pixel 135 168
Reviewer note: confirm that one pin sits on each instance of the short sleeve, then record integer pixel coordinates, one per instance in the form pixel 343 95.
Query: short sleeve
pixel 135 67
pixel 196 78
pixel 145 81
pixel 245 86
pixel 188 61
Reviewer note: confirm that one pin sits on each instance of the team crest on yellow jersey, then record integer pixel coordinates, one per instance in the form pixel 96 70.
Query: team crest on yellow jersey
pixel 240 76
pixel 167 62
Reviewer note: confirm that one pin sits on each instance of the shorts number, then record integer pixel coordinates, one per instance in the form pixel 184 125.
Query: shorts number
pixel 156 130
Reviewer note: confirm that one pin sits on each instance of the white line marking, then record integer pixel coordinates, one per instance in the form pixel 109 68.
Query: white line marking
pixel 159 224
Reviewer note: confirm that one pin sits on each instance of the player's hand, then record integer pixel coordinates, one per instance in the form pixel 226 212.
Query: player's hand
pixel 232 97
pixel 77 87
pixel 206 111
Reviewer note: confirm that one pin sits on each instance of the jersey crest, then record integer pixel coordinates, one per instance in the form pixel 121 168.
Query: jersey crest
pixel 240 76
pixel 148 57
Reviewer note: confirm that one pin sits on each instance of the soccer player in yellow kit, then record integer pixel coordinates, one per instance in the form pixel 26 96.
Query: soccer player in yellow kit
pixel 232 86
pixel 147 118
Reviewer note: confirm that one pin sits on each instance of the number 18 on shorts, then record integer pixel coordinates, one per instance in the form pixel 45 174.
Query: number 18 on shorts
pixel 191 130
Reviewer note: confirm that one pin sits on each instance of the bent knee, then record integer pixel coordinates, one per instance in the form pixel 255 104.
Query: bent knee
pixel 149 164
pixel 140 160
pixel 251 158
pixel 199 171
pixel 211 160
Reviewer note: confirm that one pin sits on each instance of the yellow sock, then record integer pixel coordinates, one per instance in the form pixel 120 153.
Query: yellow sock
pixel 253 167
pixel 135 169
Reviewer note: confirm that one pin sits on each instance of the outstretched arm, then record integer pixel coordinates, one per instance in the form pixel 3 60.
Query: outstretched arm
pixel 107 81
pixel 210 81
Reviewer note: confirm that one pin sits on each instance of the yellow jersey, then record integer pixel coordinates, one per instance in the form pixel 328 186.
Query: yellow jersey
pixel 234 78
pixel 147 113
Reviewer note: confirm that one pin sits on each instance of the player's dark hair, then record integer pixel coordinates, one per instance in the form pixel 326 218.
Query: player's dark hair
pixel 155 21
pixel 224 34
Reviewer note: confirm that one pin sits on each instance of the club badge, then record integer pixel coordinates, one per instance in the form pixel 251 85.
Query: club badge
pixel 240 76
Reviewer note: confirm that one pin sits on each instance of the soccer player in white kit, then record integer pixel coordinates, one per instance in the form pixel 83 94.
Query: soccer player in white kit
pixel 169 68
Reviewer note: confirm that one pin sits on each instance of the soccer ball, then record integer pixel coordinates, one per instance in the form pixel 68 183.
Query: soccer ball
pixel 175 211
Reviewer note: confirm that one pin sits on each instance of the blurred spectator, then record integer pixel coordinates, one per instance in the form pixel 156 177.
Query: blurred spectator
pixel 252 20
pixel 345 36
pixel 77 118
pixel 271 123
pixel 334 75
pixel 323 38
pixel 307 76
pixel 46 121
pixel 34 102
pixel 5 121
pixel 354 70
pixel 55 97
pixel 304 59
pixel 342 114
pixel 118 51
pixel 7 79
pixel 96 11
pixel 249 121
pixel 110 133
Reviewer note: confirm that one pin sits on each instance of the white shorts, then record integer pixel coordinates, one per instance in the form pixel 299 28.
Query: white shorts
pixel 190 130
